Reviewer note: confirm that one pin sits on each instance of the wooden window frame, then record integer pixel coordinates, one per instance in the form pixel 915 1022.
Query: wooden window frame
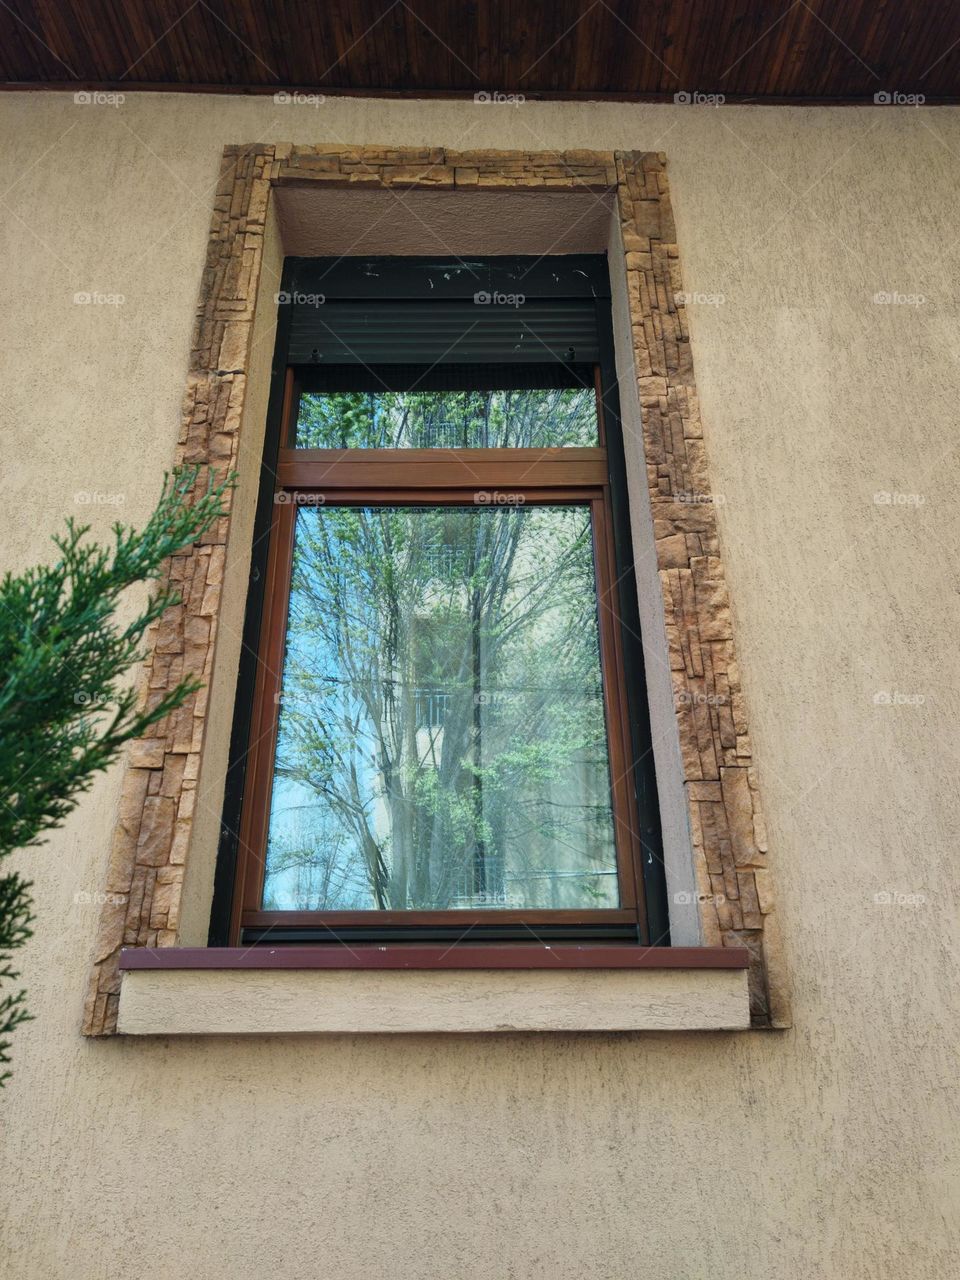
pixel 432 478
pixel 299 476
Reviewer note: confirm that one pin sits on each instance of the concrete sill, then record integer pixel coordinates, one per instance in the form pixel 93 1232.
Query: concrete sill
pixel 277 993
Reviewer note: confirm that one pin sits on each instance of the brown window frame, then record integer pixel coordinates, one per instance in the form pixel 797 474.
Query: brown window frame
pixel 431 477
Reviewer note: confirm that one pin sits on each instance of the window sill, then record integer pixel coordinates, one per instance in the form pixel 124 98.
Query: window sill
pixel 404 988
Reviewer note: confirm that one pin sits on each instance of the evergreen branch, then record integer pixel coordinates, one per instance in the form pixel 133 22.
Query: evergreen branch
pixel 64 712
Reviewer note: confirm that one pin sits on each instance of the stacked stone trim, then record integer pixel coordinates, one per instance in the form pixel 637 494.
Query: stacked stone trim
pixel 720 779
pixel 152 839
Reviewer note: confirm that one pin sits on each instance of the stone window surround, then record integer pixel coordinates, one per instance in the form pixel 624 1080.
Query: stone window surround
pixel 727 892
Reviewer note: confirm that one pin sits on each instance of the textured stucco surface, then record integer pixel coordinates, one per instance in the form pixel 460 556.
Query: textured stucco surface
pixel 826 1150
pixel 192 1001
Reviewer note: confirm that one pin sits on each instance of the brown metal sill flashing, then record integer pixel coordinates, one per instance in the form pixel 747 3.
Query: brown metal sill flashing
pixel 437 956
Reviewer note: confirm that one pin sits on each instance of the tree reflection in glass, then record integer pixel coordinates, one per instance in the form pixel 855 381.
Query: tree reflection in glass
pixel 513 419
pixel 442 740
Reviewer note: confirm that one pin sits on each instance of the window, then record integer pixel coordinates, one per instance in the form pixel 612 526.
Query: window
pixel 444 731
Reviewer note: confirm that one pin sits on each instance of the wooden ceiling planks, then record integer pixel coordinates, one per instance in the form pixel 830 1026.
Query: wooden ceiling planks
pixel 807 50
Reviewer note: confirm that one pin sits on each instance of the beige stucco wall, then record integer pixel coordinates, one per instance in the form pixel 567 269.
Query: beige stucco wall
pixel 828 1150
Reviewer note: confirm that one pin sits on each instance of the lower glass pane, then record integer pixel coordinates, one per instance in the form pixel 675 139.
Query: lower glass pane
pixel 442 741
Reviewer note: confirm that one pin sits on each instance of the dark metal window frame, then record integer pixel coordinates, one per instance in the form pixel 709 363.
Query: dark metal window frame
pixel 645 917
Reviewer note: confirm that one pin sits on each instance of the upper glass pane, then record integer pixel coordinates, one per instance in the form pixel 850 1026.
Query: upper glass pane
pixel 502 419
pixel 442 741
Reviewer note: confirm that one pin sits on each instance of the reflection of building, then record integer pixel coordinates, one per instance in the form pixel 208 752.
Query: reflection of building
pixel 442 435
pixel 441 560
pixel 430 706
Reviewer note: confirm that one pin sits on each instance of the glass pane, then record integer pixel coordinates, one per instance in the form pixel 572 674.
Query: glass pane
pixel 517 419
pixel 442 741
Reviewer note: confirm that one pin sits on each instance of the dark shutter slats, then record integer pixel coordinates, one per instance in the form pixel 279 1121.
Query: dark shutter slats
pixel 455 332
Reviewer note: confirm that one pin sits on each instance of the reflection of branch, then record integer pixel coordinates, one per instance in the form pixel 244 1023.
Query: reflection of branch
pixel 367 628
pixel 498 419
